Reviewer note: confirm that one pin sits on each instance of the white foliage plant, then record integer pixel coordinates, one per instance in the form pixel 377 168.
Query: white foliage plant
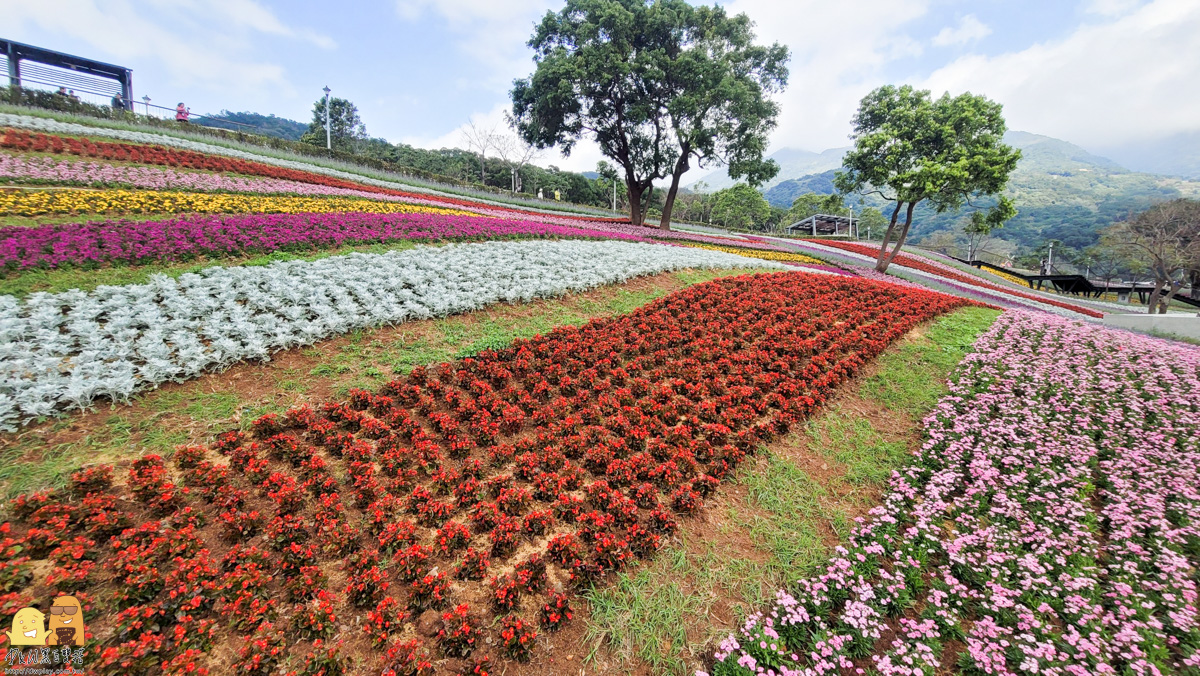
pixel 64 351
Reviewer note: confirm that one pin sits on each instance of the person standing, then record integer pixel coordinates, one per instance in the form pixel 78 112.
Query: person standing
pixel 118 102
pixel 182 112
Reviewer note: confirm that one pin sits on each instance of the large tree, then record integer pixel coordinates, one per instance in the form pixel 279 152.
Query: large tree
pixel 741 207
pixel 658 85
pixel 1166 239
pixel 346 129
pixel 910 148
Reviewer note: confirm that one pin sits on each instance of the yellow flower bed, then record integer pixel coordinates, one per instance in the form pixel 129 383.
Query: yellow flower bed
pixel 1004 275
pixel 761 253
pixel 53 202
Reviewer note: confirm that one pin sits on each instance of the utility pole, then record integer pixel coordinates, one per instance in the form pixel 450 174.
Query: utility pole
pixel 328 138
pixel 1050 260
pixel 614 197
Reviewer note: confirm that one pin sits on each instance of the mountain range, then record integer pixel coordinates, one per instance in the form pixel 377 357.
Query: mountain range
pixel 1061 190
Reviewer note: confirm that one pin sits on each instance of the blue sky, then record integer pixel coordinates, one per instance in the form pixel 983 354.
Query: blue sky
pixel 1096 72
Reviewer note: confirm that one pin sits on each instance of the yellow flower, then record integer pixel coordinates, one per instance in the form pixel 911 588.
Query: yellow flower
pixel 761 253
pixel 50 202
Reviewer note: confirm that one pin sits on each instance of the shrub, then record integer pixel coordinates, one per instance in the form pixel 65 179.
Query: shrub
pixel 431 591
pixel 473 566
pixel 516 638
pixel 556 611
pixel 459 632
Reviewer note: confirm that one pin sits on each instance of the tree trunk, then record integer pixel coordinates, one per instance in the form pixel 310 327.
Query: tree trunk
pixel 1152 302
pixel 899 240
pixel 681 167
pixel 880 265
pixel 1166 301
pixel 635 202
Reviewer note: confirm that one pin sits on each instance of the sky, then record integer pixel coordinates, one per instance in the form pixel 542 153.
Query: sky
pixel 1099 73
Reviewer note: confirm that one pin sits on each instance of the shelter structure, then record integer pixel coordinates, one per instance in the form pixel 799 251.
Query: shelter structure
pixel 825 224
pixel 38 66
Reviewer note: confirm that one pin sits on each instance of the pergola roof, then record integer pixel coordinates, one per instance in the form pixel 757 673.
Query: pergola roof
pixel 823 223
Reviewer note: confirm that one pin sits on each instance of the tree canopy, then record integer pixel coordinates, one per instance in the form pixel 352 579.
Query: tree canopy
pixel 1166 240
pixel 346 129
pixel 658 85
pixel 740 207
pixel 811 204
pixel 910 148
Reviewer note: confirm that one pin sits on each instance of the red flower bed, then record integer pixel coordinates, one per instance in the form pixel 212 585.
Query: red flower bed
pixel 614 432
pixel 944 271
pixel 189 159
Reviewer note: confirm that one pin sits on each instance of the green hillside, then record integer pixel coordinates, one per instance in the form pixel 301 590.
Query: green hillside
pixel 1062 192
pixel 267 125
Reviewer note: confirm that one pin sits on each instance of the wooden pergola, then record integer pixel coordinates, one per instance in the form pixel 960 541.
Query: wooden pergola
pixel 826 224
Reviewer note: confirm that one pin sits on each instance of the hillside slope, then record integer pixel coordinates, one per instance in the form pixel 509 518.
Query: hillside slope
pixel 1062 192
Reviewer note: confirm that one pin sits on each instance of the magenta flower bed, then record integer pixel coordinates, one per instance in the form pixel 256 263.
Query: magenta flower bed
pixel 188 237
pixel 1049 525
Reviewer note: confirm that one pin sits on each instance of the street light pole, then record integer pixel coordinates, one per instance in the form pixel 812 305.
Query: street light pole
pixel 328 140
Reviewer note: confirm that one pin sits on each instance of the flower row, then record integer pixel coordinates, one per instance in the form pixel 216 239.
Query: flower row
pixel 198 152
pixel 764 254
pixel 457 498
pixel 63 351
pixel 50 170
pixel 931 267
pixel 214 236
pixel 55 202
pixel 1049 525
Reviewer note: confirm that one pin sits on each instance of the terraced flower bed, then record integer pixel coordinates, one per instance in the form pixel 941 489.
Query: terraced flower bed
pixel 950 273
pixel 127 242
pixel 69 201
pixel 63 351
pixel 1049 525
pixel 457 508
pixel 211 158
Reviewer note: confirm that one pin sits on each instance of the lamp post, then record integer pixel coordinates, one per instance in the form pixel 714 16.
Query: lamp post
pixel 146 100
pixel 328 140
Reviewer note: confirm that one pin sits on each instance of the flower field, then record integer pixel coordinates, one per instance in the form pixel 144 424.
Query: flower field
pixel 948 272
pixel 456 509
pixel 1049 525
pixel 127 242
pixel 52 202
pixel 764 254
pixel 459 506
pixel 63 351
pixel 161 149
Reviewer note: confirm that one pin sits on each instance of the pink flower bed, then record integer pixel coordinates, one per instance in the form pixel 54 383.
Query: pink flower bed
pixel 1050 525
pixel 187 237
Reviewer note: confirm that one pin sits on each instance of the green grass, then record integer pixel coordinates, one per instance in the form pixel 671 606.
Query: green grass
pixel 659 614
pixel 67 278
pixel 45 455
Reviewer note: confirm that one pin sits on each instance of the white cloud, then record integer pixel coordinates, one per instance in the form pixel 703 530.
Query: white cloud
pixel 839 52
pixel 968 30
pixel 1130 78
pixel 1110 7
pixel 490 32
pixel 199 44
